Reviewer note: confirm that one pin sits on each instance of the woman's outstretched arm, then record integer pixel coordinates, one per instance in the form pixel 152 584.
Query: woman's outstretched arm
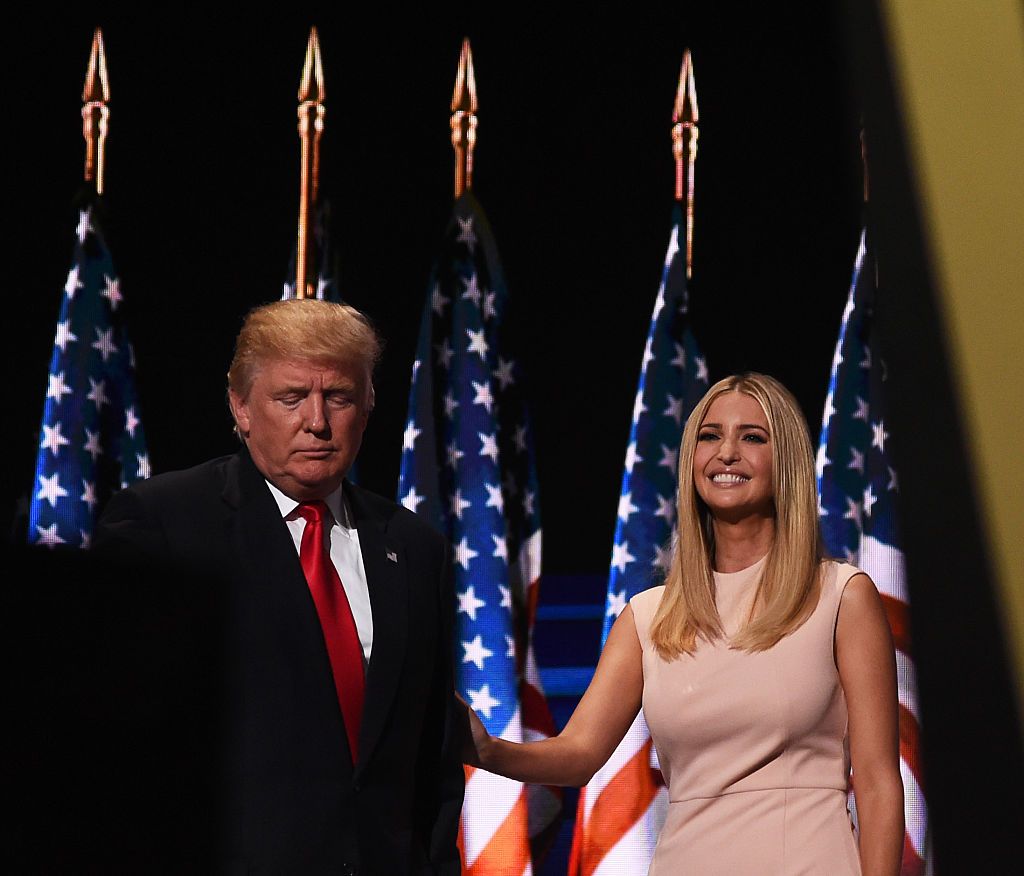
pixel 867 670
pixel 602 718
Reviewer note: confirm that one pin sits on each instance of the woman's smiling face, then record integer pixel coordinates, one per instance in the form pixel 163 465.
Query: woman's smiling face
pixel 732 462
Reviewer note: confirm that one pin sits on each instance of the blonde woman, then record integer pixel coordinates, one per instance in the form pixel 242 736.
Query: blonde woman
pixel 763 670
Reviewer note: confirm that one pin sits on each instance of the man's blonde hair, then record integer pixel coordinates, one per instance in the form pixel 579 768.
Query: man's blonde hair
pixel 306 329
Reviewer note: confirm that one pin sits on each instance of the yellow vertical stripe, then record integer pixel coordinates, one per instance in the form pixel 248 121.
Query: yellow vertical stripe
pixel 959 70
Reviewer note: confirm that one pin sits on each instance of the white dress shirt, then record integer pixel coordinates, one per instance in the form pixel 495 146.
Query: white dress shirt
pixel 345 554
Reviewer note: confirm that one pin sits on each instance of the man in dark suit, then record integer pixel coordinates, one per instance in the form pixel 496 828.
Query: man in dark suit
pixel 333 607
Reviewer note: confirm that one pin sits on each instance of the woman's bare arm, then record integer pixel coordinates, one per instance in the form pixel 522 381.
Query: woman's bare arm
pixel 867 670
pixel 602 718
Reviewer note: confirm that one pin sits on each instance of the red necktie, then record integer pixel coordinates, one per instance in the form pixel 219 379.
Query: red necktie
pixel 339 627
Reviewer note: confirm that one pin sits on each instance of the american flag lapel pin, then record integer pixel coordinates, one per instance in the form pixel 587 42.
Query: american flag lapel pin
pixel 393 556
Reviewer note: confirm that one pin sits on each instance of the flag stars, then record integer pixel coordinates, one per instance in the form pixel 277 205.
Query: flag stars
pixel 702 369
pixel 50 489
pixel 506 597
pixel 494 497
pixel 468 602
pixel 500 548
pixel 632 457
pixel 862 410
pixel 489 445
pixel 64 335
pixel 894 484
pixel 438 301
pixel 674 409
pixel 679 360
pixel 112 291
pixel 529 497
pixel 866 361
pixel 662 557
pixel 464 553
pixel 830 409
pixel 510 646
pixel 92 444
pixel 483 395
pixel 454 455
pixel 444 353
pixel 47 535
pixel 648 353
pixel 856 460
pixel 143 471
pixel 616 604
pixel 519 438
pixel 638 406
pixel 853 512
pixel 53 440
pixel 412 499
pixel 477 343
pixel 450 404
pixel 503 372
pixel 472 291
pixel 869 500
pixel 84 225
pixel 72 284
pixel 878 435
pixel 821 461
pixel 626 506
pixel 475 652
pixel 659 303
pixel 410 435
pixel 457 504
pixel 105 343
pixel 89 494
pixel 666 509
pixel 57 388
pixel 131 421
pixel 466 233
pixel 482 701
pixel 669 458
pixel 97 393
pixel 489 310
pixel 621 556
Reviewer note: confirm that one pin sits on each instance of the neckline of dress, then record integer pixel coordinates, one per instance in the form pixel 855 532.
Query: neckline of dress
pixel 741 574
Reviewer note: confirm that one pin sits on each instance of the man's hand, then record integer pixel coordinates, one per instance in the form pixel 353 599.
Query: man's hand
pixel 475 738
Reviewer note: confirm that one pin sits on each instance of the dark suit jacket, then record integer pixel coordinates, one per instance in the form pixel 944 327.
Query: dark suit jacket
pixel 289 796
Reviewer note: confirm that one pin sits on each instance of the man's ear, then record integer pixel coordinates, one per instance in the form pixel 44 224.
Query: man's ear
pixel 240 411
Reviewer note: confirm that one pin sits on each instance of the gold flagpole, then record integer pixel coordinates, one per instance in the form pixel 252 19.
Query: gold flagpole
pixel 684 147
pixel 95 112
pixel 311 125
pixel 463 120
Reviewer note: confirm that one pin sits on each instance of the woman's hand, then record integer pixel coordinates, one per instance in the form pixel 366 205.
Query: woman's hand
pixel 476 741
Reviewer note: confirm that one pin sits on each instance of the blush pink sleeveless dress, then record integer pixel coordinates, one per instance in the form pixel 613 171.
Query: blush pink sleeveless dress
pixel 753 747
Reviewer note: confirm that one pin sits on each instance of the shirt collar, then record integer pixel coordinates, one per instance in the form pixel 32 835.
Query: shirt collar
pixel 335 502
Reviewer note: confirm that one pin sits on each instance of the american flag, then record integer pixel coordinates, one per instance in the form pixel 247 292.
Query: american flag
pixel 622 809
pixel 858 491
pixel 92 441
pixel 468 467
pixel 326 270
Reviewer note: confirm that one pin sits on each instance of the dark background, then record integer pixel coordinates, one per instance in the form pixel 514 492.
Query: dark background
pixel 573 166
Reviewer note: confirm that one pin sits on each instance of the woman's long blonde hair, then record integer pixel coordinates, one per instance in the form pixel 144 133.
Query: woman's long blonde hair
pixel 788 589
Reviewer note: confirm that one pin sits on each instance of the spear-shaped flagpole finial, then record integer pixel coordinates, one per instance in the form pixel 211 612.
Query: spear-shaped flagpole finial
pixel 684 147
pixel 95 111
pixel 463 120
pixel 311 126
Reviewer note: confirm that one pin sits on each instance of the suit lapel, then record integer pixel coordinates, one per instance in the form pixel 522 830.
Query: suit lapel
pixel 384 563
pixel 273 585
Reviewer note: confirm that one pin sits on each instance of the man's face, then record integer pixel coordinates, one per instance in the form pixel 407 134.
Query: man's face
pixel 303 422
